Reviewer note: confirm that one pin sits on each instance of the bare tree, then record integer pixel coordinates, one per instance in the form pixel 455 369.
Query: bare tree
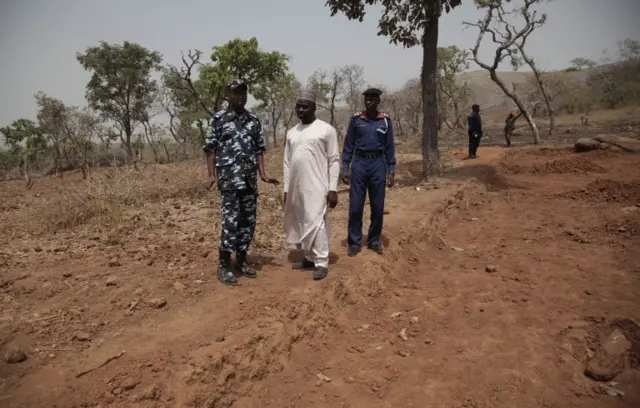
pixel 329 88
pixel 507 38
pixel 582 63
pixel 354 86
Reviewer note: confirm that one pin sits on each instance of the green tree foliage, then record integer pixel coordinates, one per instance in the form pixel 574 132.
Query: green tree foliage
pixel 236 59
pixel 453 97
pixel 410 23
pixel 121 87
pixel 276 97
pixel 26 144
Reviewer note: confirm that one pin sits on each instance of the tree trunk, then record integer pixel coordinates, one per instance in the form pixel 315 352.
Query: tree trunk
pixel 514 97
pixel 430 152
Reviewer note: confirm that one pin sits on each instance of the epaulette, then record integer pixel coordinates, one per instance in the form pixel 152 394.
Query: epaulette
pixel 218 114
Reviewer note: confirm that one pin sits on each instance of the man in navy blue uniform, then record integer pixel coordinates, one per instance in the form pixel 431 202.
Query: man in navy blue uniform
pixel 475 131
pixel 368 161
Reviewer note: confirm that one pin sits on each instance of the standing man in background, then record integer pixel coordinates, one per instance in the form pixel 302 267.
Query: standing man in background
pixel 369 161
pixel 475 131
pixel 234 149
pixel 311 168
pixel 510 126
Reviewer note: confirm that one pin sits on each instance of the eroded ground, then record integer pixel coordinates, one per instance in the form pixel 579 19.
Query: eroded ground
pixel 498 283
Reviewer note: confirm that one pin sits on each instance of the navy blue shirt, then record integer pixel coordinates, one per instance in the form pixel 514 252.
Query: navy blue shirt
pixel 475 124
pixel 369 135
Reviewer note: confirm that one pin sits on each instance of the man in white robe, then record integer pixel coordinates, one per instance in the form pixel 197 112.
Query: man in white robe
pixel 311 172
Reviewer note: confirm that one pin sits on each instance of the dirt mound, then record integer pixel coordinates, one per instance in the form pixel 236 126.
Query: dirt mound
pixel 578 164
pixel 610 191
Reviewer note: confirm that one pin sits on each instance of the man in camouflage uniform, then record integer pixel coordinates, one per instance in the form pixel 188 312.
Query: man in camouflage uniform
pixel 234 149
pixel 510 126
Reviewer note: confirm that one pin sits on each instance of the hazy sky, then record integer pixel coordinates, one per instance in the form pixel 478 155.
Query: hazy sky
pixel 40 38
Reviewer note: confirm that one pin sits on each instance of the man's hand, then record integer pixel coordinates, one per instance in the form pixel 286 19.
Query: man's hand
pixel 213 180
pixel 391 180
pixel 332 199
pixel 269 180
pixel 346 178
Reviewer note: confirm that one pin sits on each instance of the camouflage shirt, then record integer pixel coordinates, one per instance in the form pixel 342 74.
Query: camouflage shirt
pixel 236 140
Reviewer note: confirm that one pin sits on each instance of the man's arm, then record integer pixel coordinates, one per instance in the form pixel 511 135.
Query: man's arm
pixel 285 164
pixel 333 159
pixel 348 146
pixel 211 145
pixel 260 147
pixel 390 148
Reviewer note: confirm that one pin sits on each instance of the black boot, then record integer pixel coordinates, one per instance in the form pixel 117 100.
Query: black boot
pixel 225 274
pixel 243 266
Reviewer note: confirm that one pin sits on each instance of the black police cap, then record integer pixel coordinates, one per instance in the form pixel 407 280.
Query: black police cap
pixel 372 92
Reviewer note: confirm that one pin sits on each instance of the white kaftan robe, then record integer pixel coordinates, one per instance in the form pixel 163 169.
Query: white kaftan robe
pixel 311 170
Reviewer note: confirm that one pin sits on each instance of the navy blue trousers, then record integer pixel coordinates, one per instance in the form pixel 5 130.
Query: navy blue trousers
pixel 367 175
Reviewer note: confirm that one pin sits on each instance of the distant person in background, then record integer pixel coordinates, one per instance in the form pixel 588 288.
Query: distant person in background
pixel 510 126
pixel 475 131
pixel 311 168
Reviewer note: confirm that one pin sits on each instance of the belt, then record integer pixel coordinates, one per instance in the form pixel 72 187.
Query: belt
pixel 368 155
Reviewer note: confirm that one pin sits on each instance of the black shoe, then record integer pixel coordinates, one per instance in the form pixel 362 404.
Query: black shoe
pixel 353 250
pixel 376 247
pixel 305 264
pixel 225 274
pixel 320 273
pixel 243 266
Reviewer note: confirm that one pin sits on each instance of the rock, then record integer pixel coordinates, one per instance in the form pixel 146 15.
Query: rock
pixel 113 262
pixel 323 377
pixel 150 393
pixel 622 229
pixel 138 292
pixel 15 356
pixel 220 338
pixel 396 314
pixel 67 274
pixel 610 360
pixel 585 144
pixel 82 336
pixel 491 268
pixel 129 384
pixel 112 281
pixel 403 334
pixel 158 303
pixel 457 249
pixel 179 286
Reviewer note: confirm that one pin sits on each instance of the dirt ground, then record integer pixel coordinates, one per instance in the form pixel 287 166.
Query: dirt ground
pixel 498 282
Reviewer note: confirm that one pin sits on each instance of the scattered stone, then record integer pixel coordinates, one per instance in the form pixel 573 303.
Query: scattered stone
pixel 396 314
pixel 82 336
pixel 114 262
pixel 491 268
pixel 112 281
pixel 622 229
pixel 138 292
pixel 323 377
pixel 179 286
pixel 428 341
pixel 158 303
pixel 415 319
pixel 457 249
pixel 15 356
pixel 150 393
pixel 129 384
pixel 403 353
pixel 67 274
pixel 379 348
pixel 220 338
pixel 403 334
pixel 610 360
pixel 585 144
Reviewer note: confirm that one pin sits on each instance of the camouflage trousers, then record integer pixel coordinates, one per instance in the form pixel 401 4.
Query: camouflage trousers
pixel 238 211
pixel 507 135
